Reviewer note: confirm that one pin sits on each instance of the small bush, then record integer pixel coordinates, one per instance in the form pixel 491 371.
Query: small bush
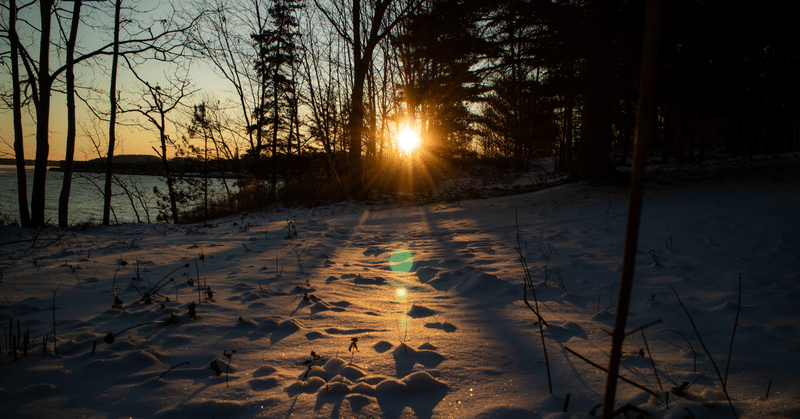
pixel 251 195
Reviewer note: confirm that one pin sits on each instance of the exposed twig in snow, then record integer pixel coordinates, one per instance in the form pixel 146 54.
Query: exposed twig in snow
pixel 688 343
pixel 768 386
pixel 714 364
pixel 55 345
pixel 652 363
pixel 529 284
pixel 639 386
pixel 735 324
pixel 172 368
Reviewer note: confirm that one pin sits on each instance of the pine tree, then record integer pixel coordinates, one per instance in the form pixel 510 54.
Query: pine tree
pixel 277 56
pixel 439 49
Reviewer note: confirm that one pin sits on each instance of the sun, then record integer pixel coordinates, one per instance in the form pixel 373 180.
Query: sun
pixel 408 140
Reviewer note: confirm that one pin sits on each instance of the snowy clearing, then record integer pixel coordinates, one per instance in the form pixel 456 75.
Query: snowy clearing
pixel 417 312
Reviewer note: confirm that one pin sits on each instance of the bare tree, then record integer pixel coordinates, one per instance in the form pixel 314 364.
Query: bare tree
pixel 40 80
pixel 16 105
pixel 42 118
pixel 155 103
pixel 63 199
pixel 112 123
pixel 321 71
pixel 379 24
pixel 166 48
pixel 222 38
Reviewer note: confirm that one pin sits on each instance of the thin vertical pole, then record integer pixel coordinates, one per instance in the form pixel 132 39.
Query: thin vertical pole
pixel 641 139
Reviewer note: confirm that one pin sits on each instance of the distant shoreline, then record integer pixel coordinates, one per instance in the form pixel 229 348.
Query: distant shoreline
pixel 125 164
pixel 28 162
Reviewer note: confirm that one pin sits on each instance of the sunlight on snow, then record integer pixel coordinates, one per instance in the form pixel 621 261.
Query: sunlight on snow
pixel 401 293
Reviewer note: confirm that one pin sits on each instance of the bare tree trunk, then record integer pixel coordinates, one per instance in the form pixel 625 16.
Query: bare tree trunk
pixel 205 176
pixel 357 106
pixel 112 125
pixel 63 199
pixel 173 202
pixel 273 185
pixel 299 160
pixel 19 152
pixel 362 58
pixel 568 138
pixel 42 120
pixel 595 145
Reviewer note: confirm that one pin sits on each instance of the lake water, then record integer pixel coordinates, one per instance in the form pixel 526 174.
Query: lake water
pixel 86 197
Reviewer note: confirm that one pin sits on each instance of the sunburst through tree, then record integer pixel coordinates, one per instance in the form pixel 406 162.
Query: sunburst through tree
pixel 408 141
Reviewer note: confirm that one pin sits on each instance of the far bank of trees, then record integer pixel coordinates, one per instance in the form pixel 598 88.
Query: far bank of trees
pixel 315 91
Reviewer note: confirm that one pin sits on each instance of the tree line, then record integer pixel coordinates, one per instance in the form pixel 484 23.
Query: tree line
pixel 316 90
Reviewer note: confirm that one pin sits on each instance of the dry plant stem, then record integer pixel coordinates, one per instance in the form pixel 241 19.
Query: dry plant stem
pixel 155 291
pixel 639 386
pixel 114 281
pixel 276 262
pixel 652 363
pixel 138 325
pixel 652 323
pixel 155 288
pixel 228 367
pixel 136 288
pixel 768 386
pixel 694 381
pixel 714 364
pixel 197 268
pixel 55 347
pixel 546 360
pixel 529 283
pixel 527 278
pixel 172 368
pixel 198 281
pixel 690 347
pixel 644 108
pixel 735 324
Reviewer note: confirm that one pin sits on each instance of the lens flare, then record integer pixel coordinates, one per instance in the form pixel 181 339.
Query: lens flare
pixel 408 141
pixel 401 262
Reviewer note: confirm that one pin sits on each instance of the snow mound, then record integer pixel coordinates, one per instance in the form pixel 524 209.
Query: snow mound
pixel 290 325
pixel 470 282
pixel 264 370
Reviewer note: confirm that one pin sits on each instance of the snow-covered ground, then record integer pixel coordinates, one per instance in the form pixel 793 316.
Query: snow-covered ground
pixel 418 311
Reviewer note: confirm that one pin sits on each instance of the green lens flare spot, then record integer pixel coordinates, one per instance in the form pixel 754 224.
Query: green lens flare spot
pixel 401 262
